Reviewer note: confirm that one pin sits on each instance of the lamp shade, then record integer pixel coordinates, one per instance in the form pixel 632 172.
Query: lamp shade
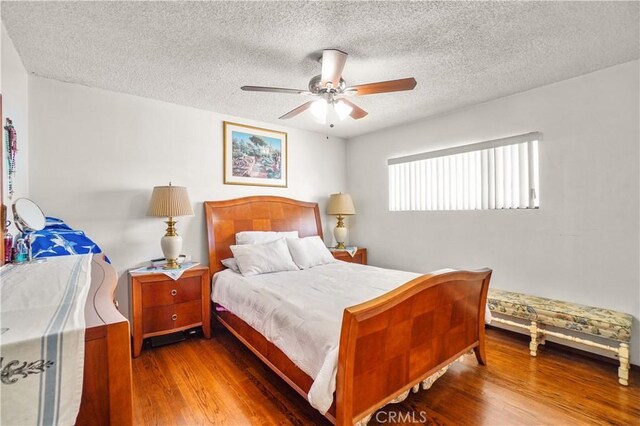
pixel 341 204
pixel 170 201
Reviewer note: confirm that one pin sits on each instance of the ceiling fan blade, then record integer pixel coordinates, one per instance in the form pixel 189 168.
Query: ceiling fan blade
pixel 332 65
pixel 384 86
pixel 356 112
pixel 305 106
pixel 274 90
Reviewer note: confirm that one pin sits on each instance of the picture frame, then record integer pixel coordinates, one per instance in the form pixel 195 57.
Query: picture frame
pixel 254 156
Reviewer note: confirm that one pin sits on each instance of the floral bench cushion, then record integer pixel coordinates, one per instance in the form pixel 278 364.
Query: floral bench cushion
pixel 586 319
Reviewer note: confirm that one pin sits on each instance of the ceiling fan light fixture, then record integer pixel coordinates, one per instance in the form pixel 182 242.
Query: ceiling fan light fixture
pixel 319 110
pixel 333 92
pixel 342 109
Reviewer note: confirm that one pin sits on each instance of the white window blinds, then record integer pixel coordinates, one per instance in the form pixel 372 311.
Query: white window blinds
pixel 497 174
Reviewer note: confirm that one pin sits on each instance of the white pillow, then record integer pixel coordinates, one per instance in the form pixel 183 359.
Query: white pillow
pixel 231 263
pixel 261 237
pixel 309 252
pixel 254 259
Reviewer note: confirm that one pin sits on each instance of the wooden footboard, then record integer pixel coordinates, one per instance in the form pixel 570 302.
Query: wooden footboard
pixel 393 342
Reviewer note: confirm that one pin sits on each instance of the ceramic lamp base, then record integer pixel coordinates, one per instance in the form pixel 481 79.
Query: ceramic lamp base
pixel 171 248
pixel 340 234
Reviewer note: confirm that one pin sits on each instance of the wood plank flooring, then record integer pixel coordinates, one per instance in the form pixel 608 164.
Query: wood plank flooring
pixel 219 381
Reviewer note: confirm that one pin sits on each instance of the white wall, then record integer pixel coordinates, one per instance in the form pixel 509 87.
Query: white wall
pixel 96 155
pixel 582 245
pixel 14 82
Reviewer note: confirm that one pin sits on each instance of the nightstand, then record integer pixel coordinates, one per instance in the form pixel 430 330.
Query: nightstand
pixel 360 256
pixel 161 305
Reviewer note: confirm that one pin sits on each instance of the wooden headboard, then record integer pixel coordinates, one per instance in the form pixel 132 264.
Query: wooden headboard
pixel 259 213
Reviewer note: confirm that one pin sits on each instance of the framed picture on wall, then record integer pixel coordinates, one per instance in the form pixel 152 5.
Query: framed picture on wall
pixel 254 156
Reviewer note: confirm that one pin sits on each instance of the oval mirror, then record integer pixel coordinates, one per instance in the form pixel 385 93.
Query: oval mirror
pixel 27 215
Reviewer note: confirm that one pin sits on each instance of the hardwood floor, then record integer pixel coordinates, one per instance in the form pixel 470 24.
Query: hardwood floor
pixel 219 381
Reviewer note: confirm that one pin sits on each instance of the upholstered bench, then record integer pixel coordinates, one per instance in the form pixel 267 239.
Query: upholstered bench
pixel 586 320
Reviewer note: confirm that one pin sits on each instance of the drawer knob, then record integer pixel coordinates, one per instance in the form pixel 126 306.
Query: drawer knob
pixel 174 292
pixel 174 317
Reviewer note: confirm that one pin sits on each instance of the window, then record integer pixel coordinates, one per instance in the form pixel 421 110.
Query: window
pixel 497 174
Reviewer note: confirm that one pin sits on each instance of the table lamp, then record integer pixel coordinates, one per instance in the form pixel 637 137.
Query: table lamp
pixel 170 201
pixel 340 205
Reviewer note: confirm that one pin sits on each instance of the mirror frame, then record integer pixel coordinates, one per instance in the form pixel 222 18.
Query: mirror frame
pixel 23 226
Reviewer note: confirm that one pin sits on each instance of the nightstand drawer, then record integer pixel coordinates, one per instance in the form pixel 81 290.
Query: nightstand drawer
pixel 169 292
pixel 160 318
pixel 359 257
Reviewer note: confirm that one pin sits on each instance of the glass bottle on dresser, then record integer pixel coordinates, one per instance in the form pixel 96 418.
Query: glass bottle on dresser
pixel 22 252
pixel 8 243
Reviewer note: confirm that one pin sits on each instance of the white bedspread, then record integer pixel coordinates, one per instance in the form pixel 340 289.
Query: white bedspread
pixel 42 340
pixel 301 312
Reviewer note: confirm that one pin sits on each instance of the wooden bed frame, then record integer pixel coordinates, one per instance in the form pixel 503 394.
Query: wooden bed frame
pixel 388 344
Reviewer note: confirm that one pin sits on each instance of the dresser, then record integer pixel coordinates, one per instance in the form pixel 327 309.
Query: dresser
pixel 161 305
pixel 107 384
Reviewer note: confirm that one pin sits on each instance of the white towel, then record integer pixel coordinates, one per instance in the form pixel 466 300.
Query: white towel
pixel 42 340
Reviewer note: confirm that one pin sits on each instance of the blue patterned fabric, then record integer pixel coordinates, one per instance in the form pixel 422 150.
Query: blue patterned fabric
pixel 58 239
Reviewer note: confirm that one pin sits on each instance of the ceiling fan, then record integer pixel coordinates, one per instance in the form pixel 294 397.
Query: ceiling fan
pixel 332 90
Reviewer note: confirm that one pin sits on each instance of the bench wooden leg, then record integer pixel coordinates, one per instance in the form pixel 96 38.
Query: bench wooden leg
pixel 533 346
pixel 623 371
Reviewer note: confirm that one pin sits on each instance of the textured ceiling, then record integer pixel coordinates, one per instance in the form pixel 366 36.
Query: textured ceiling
pixel 200 53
